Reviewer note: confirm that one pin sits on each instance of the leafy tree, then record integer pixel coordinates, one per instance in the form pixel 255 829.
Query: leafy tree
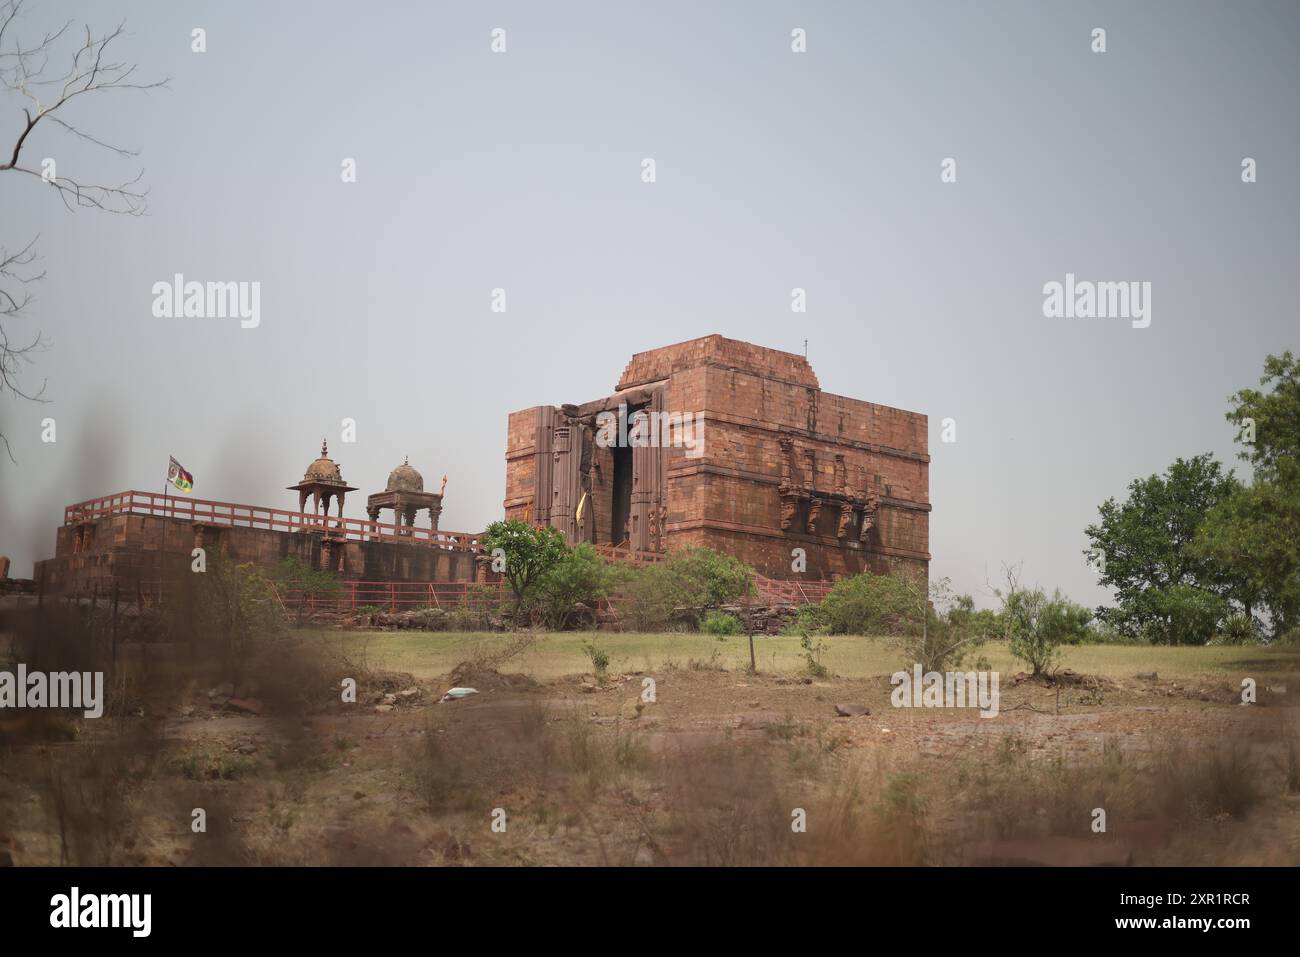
pixel 1144 546
pixel 1038 625
pixel 1181 614
pixel 529 554
pixel 581 575
pixel 951 627
pixel 232 614
pixel 1255 534
pixel 294 575
pixel 1274 416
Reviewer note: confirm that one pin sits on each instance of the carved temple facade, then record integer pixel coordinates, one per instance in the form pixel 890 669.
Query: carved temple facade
pixel 733 446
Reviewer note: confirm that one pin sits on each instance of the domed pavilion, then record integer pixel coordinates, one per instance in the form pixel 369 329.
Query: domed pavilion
pixel 406 496
pixel 321 482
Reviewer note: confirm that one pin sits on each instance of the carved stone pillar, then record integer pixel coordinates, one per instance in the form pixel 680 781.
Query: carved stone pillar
pixel 543 467
pixel 649 474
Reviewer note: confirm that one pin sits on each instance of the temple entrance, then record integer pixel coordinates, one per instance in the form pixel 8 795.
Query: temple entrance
pixel 621 494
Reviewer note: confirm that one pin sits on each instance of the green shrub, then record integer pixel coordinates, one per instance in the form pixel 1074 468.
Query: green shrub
pixel 707 579
pixel 599 658
pixel 649 598
pixel 1289 639
pixel 1038 626
pixel 808 620
pixel 1236 630
pixel 869 604
pixel 812 656
pixel 674 592
pixel 580 576
pixel 952 627
pixel 721 624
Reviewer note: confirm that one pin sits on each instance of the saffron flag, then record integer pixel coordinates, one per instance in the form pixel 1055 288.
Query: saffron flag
pixel 180 478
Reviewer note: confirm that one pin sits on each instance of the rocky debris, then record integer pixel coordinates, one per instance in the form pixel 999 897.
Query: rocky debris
pixel 429 619
pixel 1223 693
pixel 384 708
pixel 391 681
pixel 851 710
pixel 762 619
pixel 469 675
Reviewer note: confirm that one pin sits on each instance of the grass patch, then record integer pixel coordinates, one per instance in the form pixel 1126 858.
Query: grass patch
pixel 556 654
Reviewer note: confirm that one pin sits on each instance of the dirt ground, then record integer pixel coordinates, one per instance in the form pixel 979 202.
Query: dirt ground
pixel 677 766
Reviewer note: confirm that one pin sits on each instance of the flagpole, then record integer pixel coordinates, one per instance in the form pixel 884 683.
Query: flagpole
pixel 162 545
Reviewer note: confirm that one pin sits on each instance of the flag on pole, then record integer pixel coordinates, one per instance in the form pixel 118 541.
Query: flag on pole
pixel 180 478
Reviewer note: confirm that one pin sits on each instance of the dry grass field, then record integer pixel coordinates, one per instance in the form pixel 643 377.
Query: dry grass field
pixel 547 764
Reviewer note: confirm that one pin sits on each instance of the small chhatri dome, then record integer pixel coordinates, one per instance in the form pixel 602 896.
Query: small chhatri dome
pixel 324 469
pixel 405 479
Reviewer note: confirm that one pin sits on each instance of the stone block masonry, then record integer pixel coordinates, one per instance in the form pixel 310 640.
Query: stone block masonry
pixel 783 466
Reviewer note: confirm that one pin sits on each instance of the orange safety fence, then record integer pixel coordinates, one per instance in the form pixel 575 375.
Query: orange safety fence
pixel 397 596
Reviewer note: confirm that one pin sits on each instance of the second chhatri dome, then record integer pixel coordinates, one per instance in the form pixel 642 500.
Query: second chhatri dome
pixel 404 478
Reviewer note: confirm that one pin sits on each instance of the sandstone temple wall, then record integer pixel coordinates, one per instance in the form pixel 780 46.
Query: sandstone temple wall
pixel 126 548
pixel 783 465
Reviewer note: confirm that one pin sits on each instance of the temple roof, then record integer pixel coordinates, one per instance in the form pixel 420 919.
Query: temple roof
pixel 716 350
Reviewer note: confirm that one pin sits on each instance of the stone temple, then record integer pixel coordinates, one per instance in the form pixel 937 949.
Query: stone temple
pixel 711 442
pixel 735 447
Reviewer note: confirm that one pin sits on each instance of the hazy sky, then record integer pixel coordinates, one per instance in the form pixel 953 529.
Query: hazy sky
pixel 775 170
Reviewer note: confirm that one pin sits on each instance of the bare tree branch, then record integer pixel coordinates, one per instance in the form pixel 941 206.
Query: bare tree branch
pixel 24 72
